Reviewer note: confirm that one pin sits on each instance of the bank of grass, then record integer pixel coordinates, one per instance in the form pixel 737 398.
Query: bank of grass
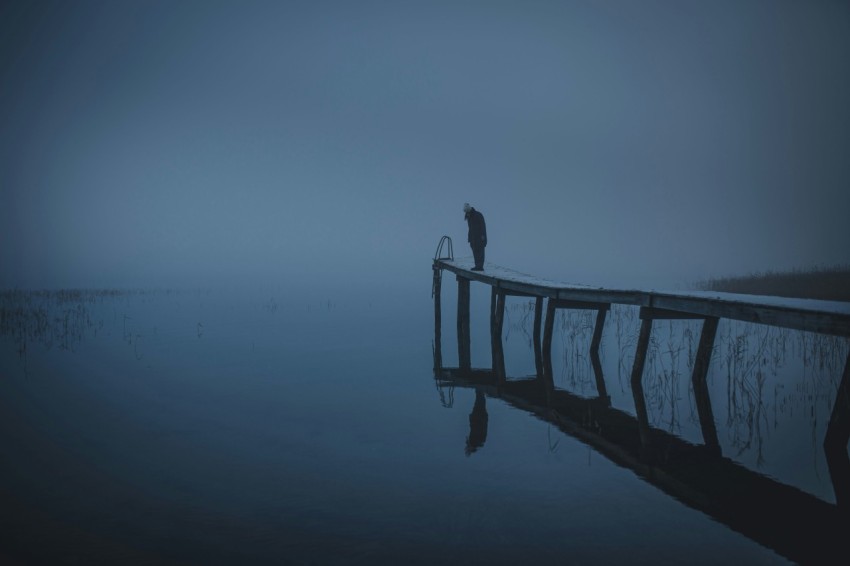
pixel 825 283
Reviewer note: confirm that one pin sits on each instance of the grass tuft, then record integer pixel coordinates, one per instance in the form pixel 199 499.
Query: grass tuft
pixel 824 283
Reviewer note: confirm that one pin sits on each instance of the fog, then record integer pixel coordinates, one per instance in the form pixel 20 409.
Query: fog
pixel 617 143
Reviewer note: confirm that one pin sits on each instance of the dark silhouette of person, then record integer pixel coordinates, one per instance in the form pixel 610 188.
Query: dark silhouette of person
pixel 477 424
pixel 477 235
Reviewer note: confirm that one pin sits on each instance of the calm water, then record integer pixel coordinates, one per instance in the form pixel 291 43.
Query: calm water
pixel 212 427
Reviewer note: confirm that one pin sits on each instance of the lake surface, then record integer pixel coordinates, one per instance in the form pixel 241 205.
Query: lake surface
pixel 217 427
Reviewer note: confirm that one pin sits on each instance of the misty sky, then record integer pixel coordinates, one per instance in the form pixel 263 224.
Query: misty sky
pixel 619 142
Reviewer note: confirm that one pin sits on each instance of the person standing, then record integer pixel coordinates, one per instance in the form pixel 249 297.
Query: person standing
pixel 477 235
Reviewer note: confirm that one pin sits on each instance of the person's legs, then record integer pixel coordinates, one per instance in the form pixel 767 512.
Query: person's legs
pixel 478 254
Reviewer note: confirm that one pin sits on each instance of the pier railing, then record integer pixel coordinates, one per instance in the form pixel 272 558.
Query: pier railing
pixel 825 317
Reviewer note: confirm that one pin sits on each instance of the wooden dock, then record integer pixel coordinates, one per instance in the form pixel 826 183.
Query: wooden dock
pixel 697 475
pixel 826 317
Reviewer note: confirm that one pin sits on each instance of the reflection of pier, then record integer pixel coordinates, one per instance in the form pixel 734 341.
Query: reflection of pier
pixel 798 525
pixel 793 523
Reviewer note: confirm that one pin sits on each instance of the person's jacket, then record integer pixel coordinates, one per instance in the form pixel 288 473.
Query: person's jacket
pixel 477 227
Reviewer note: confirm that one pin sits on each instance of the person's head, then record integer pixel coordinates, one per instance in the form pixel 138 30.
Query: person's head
pixel 466 207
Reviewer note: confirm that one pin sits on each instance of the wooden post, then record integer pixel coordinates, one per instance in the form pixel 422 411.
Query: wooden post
pixel 640 350
pixel 493 346
pixel 538 355
pixel 701 396
pixel 601 389
pixel 637 387
pixel 548 329
pixel 493 293
pixel 597 330
pixel 438 320
pixel 463 343
pixel 496 345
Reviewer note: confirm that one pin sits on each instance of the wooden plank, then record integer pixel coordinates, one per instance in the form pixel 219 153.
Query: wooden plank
pixel 652 313
pixel 527 289
pixel 506 289
pixel 777 315
pixel 579 305
pixel 609 296
pixel 530 287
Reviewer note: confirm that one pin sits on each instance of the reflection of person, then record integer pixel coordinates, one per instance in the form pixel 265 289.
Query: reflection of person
pixel 477 424
pixel 477 235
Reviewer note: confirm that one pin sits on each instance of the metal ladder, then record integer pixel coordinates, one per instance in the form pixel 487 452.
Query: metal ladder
pixel 438 272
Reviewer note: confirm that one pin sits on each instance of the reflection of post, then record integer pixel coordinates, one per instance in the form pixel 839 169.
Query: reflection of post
pixel 838 463
pixel 838 431
pixel 601 390
pixel 438 320
pixel 477 424
pixel 835 443
pixel 637 385
pixel 463 346
pixel 538 355
pixel 547 338
pixel 496 338
pixel 701 396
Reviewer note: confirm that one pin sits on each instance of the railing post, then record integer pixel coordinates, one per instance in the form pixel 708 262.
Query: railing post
pixel 548 329
pixel 498 353
pixel 637 387
pixel 601 389
pixel 597 330
pixel 463 340
pixel 701 396
pixel 493 294
pixel 438 319
pixel 538 354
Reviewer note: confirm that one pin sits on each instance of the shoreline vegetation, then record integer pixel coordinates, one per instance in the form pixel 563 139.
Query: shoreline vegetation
pixel 827 283
pixel 823 283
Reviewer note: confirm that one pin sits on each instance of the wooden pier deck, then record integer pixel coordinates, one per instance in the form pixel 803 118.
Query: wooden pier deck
pixel 826 317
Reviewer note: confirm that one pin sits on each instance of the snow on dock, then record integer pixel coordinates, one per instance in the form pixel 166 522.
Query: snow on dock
pixel 828 317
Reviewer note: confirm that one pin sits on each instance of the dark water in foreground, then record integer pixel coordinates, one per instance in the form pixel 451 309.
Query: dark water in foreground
pixel 218 428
